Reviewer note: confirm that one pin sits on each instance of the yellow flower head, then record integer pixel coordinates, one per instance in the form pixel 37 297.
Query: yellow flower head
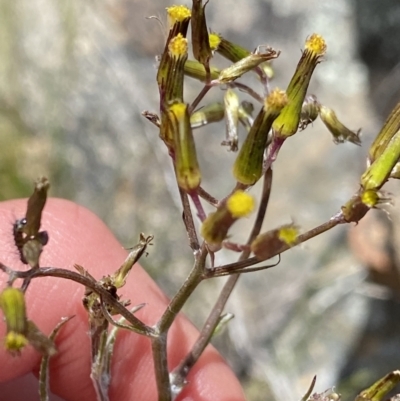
pixel 178 13
pixel 215 40
pixel 240 204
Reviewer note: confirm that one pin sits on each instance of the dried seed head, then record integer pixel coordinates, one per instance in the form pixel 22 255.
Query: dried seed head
pixel 211 113
pixel 231 102
pixel 246 64
pixel 309 111
pixel 339 132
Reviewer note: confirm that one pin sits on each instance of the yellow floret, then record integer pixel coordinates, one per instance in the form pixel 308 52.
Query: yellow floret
pixel 178 13
pixel 214 40
pixel 277 99
pixel 288 234
pixel 178 46
pixel 240 204
pixel 316 44
pixel 370 198
pixel 15 341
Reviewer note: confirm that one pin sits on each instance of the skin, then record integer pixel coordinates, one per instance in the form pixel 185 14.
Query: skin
pixel 78 236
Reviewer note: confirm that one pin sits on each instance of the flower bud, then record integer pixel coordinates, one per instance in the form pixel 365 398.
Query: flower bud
pixel 379 390
pixel 227 49
pixel 270 243
pixel 12 303
pixel 171 69
pixel 200 41
pixel 389 129
pixel 216 226
pixel 339 132
pixel 196 70
pixel 288 121
pixel 186 166
pixel 379 171
pixel 248 166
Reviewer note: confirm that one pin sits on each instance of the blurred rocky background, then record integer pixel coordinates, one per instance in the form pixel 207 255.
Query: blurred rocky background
pixel 74 78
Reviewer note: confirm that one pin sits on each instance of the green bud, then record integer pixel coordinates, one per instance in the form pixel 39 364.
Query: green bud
pixel 231 51
pixel 200 41
pixel 379 171
pixel 186 165
pixel 196 70
pixel 178 18
pixel 389 129
pixel 12 303
pixel 339 132
pixel 381 388
pixel 248 166
pixel 288 121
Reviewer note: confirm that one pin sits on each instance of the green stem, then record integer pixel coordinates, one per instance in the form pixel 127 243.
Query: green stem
pixel 190 284
pixel 159 348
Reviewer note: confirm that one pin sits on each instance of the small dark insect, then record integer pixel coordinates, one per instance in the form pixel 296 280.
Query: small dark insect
pixel 19 236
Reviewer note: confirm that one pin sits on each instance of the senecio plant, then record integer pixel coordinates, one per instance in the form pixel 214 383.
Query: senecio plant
pixel 278 115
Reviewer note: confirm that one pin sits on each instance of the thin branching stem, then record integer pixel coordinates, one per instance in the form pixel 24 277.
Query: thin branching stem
pixel 237 266
pixel 199 98
pixel 189 223
pixel 137 325
pixel 190 284
pixel 249 91
pixel 159 348
pixel 181 371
